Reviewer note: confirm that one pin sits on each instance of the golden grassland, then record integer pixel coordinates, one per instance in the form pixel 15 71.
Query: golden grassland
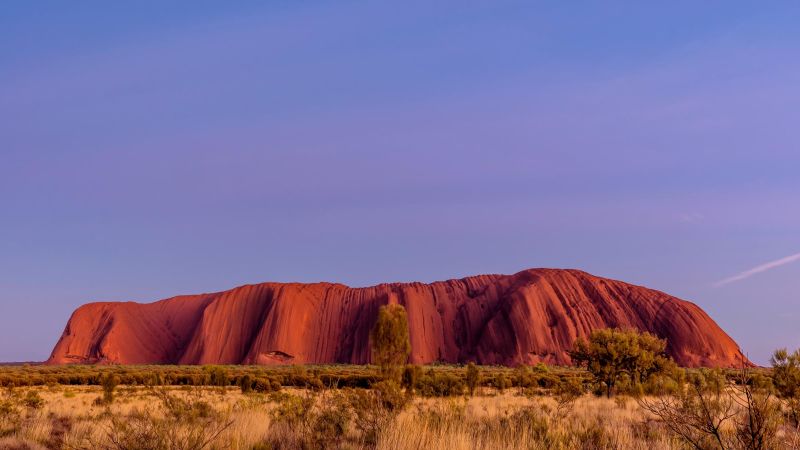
pixel 70 418
pixel 510 409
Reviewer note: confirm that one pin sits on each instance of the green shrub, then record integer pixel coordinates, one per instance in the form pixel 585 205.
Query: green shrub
pixel 440 384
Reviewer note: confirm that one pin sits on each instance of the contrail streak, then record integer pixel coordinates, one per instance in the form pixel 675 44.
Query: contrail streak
pixel 759 269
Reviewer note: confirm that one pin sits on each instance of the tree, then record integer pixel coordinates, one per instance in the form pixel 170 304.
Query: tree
pixel 473 378
pixel 611 354
pixel 786 379
pixel 110 382
pixel 390 341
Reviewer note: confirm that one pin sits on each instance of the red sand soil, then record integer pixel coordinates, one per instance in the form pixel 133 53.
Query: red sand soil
pixel 532 316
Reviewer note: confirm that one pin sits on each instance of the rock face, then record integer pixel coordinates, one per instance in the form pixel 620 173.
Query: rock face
pixel 532 316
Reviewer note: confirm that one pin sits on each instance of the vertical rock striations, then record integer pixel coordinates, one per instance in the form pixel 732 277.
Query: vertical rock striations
pixel 532 316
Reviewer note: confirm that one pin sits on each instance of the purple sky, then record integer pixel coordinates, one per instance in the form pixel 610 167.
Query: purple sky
pixel 150 150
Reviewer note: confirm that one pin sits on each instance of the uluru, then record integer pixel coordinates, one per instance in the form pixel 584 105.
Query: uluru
pixel 532 316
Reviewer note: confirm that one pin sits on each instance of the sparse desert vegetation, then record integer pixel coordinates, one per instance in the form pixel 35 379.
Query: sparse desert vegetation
pixel 523 415
pixel 624 394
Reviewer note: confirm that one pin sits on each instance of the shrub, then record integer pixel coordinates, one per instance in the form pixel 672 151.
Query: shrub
pixel 331 420
pixel 709 414
pixel 310 421
pixel 501 382
pixel 473 378
pixel 262 385
pixel 246 384
pixel 293 410
pixel 374 408
pixel 186 424
pixel 411 376
pixel 389 395
pixel 565 394
pixel 33 400
pixel 9 415
pixel 441 414
pixel 315 384
pixel 110 382
pixel 440 384
pixel 218 376
pixel 548 381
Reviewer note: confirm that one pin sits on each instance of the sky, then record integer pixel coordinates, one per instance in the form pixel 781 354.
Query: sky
pixel 149 149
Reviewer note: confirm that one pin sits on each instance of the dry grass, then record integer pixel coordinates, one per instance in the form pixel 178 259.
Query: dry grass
pixel 454 423
pixel 70 418
pixel 73 419
pixel 514 422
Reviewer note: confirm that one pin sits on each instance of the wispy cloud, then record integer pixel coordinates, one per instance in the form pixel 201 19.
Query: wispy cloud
pixel 690 217
pixel 758 269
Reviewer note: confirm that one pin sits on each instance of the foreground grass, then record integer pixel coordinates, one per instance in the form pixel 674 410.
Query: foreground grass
pixel 349 407
pixel 203 417
pixel 72 418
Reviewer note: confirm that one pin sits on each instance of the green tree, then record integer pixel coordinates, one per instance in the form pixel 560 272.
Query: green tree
pixel 611 354
pixel 390 341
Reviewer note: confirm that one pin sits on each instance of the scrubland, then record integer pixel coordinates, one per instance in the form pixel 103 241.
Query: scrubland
pixel 351 407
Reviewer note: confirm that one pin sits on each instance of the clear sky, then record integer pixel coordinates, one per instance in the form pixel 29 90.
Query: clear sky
pixel 149 149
